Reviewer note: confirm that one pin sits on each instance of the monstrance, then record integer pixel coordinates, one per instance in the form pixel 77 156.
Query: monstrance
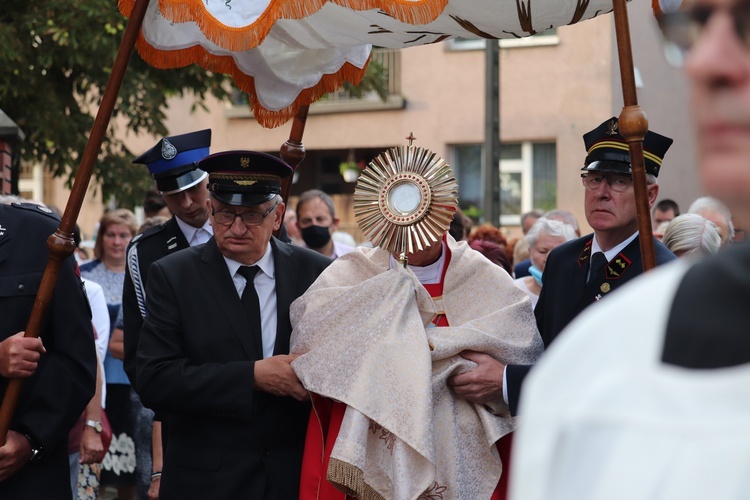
pixel 405 199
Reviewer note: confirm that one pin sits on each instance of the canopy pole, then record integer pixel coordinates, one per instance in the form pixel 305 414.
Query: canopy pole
pixel 60 243
pixel 633 126
pixel 293 153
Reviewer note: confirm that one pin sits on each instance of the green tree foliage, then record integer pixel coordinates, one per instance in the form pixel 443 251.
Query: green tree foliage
pixel 56 57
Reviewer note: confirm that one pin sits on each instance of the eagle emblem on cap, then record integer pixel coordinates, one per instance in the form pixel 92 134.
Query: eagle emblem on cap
pixel 612 127
pixel 245 161
pixel 168 151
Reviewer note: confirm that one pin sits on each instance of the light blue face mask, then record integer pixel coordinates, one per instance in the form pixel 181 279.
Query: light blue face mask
pixel 536 273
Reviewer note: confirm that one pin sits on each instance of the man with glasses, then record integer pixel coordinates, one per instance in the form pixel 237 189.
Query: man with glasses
pixel 666 414
pixel 587 270
pixel 214 349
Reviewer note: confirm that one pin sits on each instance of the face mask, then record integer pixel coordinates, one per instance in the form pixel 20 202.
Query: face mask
pixel 536 273
pixel 316 236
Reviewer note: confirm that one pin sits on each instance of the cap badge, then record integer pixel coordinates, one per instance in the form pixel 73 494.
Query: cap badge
pixel 168 151
pixel 44 209
pixel 245 183
pixel 245 162
pixel 612 128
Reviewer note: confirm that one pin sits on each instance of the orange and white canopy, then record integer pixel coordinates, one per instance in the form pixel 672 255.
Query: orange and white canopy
pixel 288 53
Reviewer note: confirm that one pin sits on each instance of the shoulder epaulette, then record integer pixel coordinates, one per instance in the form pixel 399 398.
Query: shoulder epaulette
pixel 147 233
pixel 39 209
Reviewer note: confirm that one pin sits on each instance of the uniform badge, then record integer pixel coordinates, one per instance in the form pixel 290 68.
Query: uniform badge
pixel 606 287
pixel 168 151
pixel 612 127
pixel 617 267
pixel 2 230
pixel 44 209
pixel 172 243
pixel 585 254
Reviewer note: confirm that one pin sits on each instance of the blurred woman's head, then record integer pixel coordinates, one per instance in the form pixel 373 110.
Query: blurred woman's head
pixel 692 234
pixel 116 229
pixel 544 236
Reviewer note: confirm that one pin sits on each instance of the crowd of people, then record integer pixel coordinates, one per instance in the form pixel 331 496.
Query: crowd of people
pixel 234 347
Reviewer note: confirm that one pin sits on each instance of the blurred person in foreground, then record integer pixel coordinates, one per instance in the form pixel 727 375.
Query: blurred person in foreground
pixel 60 365
pixel 213 353
pixel 543 237
pixel 667 414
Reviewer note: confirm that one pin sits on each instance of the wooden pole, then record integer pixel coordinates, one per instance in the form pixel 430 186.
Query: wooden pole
pixel 61 243
pixel 293 152
pixel 633 126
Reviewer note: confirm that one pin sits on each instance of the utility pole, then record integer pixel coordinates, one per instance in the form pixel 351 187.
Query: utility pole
pixel 491 149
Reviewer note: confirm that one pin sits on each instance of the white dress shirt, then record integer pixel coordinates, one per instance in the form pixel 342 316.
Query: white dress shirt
pixel 265 286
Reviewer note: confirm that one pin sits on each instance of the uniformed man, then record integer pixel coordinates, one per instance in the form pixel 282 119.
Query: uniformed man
pixel 214 348
pixel 34 459
pixel 584 271
pixel 173 165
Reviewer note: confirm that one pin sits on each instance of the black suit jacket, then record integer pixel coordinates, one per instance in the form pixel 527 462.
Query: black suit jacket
pixel 145 248
pixel 55 396
pixel 195 361
pixel 565 292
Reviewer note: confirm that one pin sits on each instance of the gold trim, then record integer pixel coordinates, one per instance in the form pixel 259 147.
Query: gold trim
pixel 624 147
pixel 245 177
pixel 350 480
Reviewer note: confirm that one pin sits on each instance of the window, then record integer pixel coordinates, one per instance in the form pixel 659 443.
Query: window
pixel 528 178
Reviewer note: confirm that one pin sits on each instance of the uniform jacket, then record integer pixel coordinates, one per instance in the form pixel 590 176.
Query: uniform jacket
pixel 565 292
pixel 148 247
pixel 195 361
pixel 55 396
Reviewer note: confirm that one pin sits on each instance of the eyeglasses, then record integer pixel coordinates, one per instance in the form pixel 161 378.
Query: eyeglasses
pixel 681 29
pixel 617 183
pixel 226 218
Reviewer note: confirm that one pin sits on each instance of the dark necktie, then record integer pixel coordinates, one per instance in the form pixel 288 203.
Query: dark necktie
pixel 251 304
pixel 598 261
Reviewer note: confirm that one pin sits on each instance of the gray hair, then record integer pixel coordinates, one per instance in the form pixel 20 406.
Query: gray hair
pixel 312 194
pixel 563 216
pixel 691 234
pixel 549 227
pixel 706 204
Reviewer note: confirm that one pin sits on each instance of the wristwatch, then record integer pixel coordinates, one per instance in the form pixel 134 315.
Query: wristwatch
pixel 96 425
pixel 36 448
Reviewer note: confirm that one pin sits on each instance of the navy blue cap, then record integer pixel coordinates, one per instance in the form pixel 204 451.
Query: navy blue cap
pixel 173 161
pixel 244 178
pixel 608 151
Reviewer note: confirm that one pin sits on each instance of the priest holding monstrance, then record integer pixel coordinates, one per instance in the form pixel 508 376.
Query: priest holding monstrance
pixel 383 330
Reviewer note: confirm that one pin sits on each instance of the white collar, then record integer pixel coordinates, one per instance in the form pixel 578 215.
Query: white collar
pixel 614 251
pixel 429 274
pixel 189 231
pixel 265 263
